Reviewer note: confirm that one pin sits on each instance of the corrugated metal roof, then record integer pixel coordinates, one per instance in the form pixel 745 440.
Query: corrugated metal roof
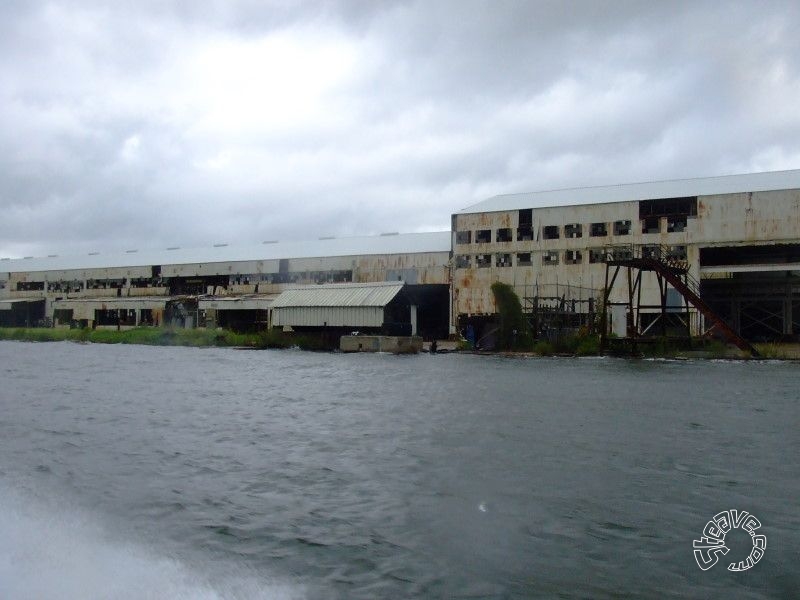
pixel 250 302
pixel 408 243
pixel 339 294
pixel 705 186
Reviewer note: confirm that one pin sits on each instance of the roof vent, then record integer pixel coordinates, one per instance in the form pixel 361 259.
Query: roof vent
pixel 174 248
pixel 391 233
pixel 130 251
pixel 220 245
pixel 270 242
pixel 26 257
pixel 327 237
pixel 93 253
pixel 52 256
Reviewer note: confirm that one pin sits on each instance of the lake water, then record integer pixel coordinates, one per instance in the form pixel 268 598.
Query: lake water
pixel 138 472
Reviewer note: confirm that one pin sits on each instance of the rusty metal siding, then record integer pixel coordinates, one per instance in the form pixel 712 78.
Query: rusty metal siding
pixel 764 217
pixel 253 303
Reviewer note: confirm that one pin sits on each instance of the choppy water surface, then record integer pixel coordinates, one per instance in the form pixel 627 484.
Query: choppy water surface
pixel 137 472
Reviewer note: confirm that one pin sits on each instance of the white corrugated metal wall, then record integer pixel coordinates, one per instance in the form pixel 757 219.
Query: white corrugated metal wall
pixel 328 316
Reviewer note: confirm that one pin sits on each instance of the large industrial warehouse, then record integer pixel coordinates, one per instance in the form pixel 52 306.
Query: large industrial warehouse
pixel 639 259
pixel 235 287
pixel 736 238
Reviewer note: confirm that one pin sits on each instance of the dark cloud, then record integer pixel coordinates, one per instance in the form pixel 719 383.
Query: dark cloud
pixel 152 124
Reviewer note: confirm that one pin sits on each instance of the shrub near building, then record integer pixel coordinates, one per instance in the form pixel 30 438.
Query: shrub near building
pixel 514 333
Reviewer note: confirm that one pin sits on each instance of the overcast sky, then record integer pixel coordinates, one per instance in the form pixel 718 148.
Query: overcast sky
pixel 152 124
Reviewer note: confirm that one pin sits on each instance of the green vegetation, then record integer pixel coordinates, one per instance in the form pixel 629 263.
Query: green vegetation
pixel 582 344
pixel 544 348
pixel 514 332
pixel 167 336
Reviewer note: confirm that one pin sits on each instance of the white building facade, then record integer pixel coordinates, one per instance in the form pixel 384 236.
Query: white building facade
pixel 739 237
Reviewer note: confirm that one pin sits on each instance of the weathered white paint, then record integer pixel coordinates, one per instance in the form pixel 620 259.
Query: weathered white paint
pixel 761 217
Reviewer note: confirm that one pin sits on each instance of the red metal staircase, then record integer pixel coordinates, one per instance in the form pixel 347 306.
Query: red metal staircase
pixel 675 271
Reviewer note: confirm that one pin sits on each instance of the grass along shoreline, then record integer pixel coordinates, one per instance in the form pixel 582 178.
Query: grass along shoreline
pixel 223 338
pixel 164 336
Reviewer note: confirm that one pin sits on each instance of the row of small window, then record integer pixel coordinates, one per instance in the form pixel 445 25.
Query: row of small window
pixel 572 230
pixel 553 257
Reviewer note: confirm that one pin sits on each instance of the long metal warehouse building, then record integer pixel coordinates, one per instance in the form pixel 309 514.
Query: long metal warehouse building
pixel 231 286
pixel 737 237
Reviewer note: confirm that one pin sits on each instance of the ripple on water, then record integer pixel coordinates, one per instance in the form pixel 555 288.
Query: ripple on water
pixel 379 477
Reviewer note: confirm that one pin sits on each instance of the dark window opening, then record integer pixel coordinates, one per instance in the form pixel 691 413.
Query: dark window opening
pixel 483 260
pixel 743 255
pixel 463 261
pixel 503 260
pixel 463 237
pixel 525 229
pixel 30 286
pixel 504 235
pixel 677 224
pixel 483 236
pixel 622 227
pixel 550 258
pixel 666 207
pixel 622 253
pixel 651 225
pixel 653 252
pixel 573 230
pixel 598 230
pixel 550 232
pixel 62 316
pixel 524 259
pixel 524 232
pixel 597 255
pixel 676 253
pixel 573 257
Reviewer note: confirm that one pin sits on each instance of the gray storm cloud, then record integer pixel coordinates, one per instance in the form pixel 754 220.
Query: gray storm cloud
pixel 146 125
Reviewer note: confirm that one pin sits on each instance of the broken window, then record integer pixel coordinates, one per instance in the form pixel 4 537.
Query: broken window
pixel 597 255
pixel 677 224
pixel 550 232
pixel 651 225
pixel 622 227
pixel 483 260
pixel 676 253
pixel 550 257
pixel 622 253
pixel 524 259
pixel 504 235
pixel 598 230
pixel 665 207
pixel 503 260
pixel 525 229
pixel 463 261
pixel 573 257
pixel 651 251
pixel 463 237
pixel 573 230
pixel 483 236
pixel 676 210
